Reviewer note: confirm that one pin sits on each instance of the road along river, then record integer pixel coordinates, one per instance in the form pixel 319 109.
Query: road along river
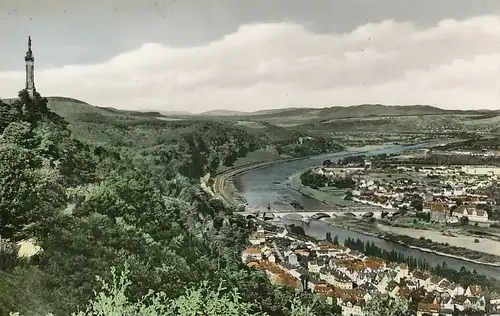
pixel 266 185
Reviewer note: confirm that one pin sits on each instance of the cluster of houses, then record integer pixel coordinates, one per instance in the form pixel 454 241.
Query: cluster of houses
pixel 447 188
pixel 447 212
pixel 350 280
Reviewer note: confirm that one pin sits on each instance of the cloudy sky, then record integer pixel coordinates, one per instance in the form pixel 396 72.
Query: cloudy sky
pixel 246 55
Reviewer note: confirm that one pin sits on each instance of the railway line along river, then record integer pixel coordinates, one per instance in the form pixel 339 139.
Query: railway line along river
pixel 266 185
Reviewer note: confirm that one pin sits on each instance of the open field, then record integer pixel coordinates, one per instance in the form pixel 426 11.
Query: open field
pixel 378 118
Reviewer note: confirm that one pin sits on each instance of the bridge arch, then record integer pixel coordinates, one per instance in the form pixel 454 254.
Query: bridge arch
pixel 320 215
pixel 269 215
pixel 293 215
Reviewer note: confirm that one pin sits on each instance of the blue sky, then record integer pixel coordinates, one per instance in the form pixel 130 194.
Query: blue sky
pixel 251 55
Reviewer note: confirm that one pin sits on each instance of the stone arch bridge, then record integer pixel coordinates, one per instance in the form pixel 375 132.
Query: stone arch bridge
pixel 357 212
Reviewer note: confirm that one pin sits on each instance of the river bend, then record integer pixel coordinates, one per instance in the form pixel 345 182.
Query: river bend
pixel 266 185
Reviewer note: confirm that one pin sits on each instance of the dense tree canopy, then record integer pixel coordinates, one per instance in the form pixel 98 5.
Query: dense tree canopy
pixel 388 306
pixel 315 180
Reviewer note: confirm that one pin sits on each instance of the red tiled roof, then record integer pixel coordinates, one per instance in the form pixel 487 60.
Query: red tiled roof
pixel 372 264
pixel 252 251
pixel 322 288
pixel 282 277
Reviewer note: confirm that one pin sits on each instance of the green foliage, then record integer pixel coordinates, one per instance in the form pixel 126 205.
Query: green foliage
pixel 316 180
pixel 19 133
pixel 28 190
pixel 303 144
pixel 20 292
pixel 9 114
pixel 387 306
pixel 357 161
pixel 201 300
pixel 211 143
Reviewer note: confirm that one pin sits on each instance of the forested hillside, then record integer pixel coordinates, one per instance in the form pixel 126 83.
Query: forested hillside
pixel 169 139
pixel 124 195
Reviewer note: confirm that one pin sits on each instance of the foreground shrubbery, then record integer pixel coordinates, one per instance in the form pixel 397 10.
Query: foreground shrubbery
pixel 387 306
pixel 203 300
pixel 112 300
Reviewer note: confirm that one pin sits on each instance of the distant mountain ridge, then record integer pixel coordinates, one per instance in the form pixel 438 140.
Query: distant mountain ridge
pixel 338 112
pixel 363 110
pixel 365 118
pixel 134 113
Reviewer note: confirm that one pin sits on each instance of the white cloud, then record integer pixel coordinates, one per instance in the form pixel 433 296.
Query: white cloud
pixel 454 64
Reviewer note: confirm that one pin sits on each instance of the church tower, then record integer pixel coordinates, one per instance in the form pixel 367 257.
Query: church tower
pixel 30 70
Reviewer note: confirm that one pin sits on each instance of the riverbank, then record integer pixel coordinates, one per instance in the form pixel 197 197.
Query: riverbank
pixel 216 186
pixel 217 183
pixel 485 245
pixel 228 193
pixel 262 187
pixel 390 236
pixel 330 196
pixel 490 250
pixel 222 185
pixel 486 252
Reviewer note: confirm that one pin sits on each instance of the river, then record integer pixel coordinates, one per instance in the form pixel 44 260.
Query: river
pixel 266 185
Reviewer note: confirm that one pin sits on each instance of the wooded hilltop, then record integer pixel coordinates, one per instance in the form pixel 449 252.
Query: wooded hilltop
pixel 134 204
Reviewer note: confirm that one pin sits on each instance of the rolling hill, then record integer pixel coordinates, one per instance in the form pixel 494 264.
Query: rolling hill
pixel 300 116
pixel 373 118
pixel 280 123
pixel 74 109
pixel 133 113
pixel 359 111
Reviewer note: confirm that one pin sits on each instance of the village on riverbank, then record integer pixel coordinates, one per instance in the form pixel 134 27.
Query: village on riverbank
pixel 450 203
pixel 350 279
pixel 446 196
